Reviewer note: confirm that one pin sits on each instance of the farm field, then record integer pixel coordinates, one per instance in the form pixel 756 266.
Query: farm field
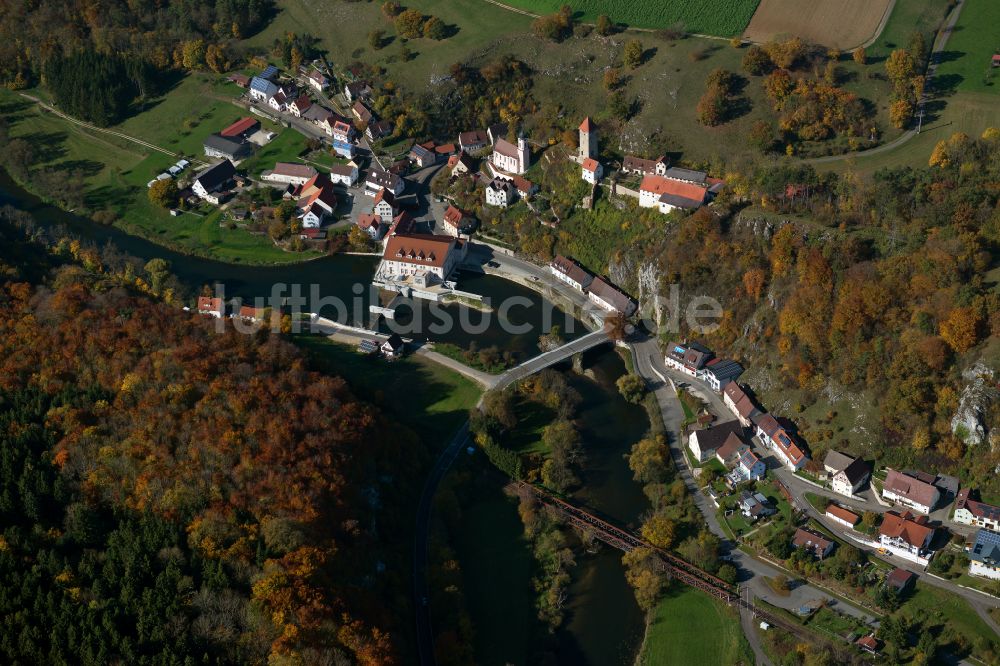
pixel 966 61
pixel 842 24
pixel 689 627
pixel 723 18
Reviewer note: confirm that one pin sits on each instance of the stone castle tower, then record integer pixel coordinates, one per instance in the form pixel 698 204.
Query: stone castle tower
pixel 588 140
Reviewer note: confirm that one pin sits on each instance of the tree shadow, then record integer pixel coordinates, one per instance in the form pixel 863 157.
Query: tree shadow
pixel 648 54
pixel 46 147
pixel 738 107
pixel 947 84
pixel 948 56
pixel 85 167
pixel 450 30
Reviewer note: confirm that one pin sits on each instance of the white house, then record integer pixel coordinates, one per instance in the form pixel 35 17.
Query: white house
pixel 971 512
pixel 704 443
pixel 212 180
pixel 849 480
pixel 841 515
pixel 646 167
pixel 289 173
pixel 460 164
pixel 278 101
pixel 455 220
pixel 473 141
pixel 749 468
pixel 836 461
pixel 300 105
pixel 719 372
pixel 385 205
pixel 357 90
pixel 421 254
pixel 373 225
pixel 907 491
pixel 905 534
pixel 592 171
pixel 346 174
pixel 262 89
pixel 568 270
pixel 500 192
pixel 316 200
pixel 509 158
pixel 609 297
pixel 379 179
pixel 668 194
pixel 317 80
pixel 393 347
pixel 773 436
pixel 984 555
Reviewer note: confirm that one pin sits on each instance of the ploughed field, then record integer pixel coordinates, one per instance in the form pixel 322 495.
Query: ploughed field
pixel 842 24
pixel 724 18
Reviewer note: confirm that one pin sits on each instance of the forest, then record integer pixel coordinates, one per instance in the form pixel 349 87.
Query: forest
pixel 171 493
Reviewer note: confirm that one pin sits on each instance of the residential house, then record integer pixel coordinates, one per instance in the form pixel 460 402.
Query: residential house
pixel 363 114
pixel 971 512
pixel 472 142
pixel 688 359
pixel 357 90
pixel 900 579
pixel 241 129
pixel 316 200
pixel 385 205
pixel 445 150
pixel 588 145
pixel 312 233
pixel 607 296
pixel 402 224
pixel 732 450
pixel 905 533
pixel 460 164
pixel 325 119
pixel 668 194
pixel 773 436
pixel 289 173
pixel 570 271
pixel 393 347
pixel 262 89
pixel 248 313
pixel 755 506
pixel 373 225
pixel 378 129
pixel 525 188
pixel 208 305
pixel 456 221
pixel 869 644
pixel 509 158
pixel 852 478
pixel 813 541
pixel 910 492
pixel 317 80
pixel 278 101
pixel 342 131
pixel 300 105
pixel 592 171
pixel 212 181
pixel 227 148
pixel 841 515
pixel 421 255
pixel 718 373
pixel 422 156
pixel 657 167
pixel 836 461
pixel 242 80
pixel 500 192
pixel 704 443
pixel 740 404
pixel 345 174
pixel 984 555
pixel 748 468
pixel 378 179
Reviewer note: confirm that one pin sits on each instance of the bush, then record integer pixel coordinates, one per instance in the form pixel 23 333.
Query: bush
pixel 409 24
pixel 163 193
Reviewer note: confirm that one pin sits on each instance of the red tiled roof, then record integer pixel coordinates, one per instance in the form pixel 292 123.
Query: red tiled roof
pixel 453 216
pixel 590 164
pixel 209 304
pixel 445 149
pixel 842 513
pixel 368 220
pixel 912 529
pixel 423 249
pixel 241 126
pixel 249 312
pixel 587 125
pixel 659 185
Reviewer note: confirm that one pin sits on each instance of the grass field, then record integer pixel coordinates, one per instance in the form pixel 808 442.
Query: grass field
pixel 843 24
pixel 689 627
pixel 938 609
pixel 966 61
pixel 907 17
pixel 437 400
pixel 724 18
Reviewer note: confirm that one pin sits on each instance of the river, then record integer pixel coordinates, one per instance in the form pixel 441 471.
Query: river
pixel 334 278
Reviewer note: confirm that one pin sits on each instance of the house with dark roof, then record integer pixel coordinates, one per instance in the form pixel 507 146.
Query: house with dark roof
pixel 496 131
pixel 719 372
pixel 393 347
pixel 385 205
pixel 379 129
pixel 500 192
pixel 852 478
pixel 704 443
pixel 687 358
pixel 900 579
pixel 740 403
pixel 234 149
pixel 378 179
pixel 686 175
pixel 984 555
pixel 970 512
pixel 421 156
pixel 460 164
pixel 813 541
pixel 317 80
pixel 363 114
pixel 657 167
pixel 212 181
pixel 835 461
pixel 473 141
pixel 300 105
pixel 570 271
pixel 607 296
pixel 262 89
pixel 270 73
pixel 910 492
pixel 357 90
pixel 732 448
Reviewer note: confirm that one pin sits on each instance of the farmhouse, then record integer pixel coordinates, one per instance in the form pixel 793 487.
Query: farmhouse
pixel 509 158
pixel 748 468
pixel 500 192
pixel 209 183
pixel 740 404
pixel 211 306
pixel 345 174
pixel 668 194
pixel 472 142
pixel 289 173
pixel 905 533
pixel 910 492
pixel 242 128
pixel 421 255
pixel 570 271
pixel 842 515
pixel 227 148
pixel 609 297
pixel 773 436
pixel 379 179
pixel 588 141
pixel 849 480
pixel 592 171
pixel 705 443
pixel 812 541
pixel 971 512
pixel 984 555
pixel 657 167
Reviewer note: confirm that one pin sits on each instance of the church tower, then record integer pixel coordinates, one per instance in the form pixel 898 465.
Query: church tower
pixel 588 140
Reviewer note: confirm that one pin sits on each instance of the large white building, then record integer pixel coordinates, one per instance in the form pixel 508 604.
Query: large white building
pixel 421 254
pixel 850 480
pixel 592 171
pixel 289 173
pixel 984 555
pixel 500 192
pixel 668 194
pixel 510 158
pixel 910 492
pixel 971 512
pixel 567 270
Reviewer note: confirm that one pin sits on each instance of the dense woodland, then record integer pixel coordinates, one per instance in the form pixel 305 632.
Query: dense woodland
pixel 175 494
